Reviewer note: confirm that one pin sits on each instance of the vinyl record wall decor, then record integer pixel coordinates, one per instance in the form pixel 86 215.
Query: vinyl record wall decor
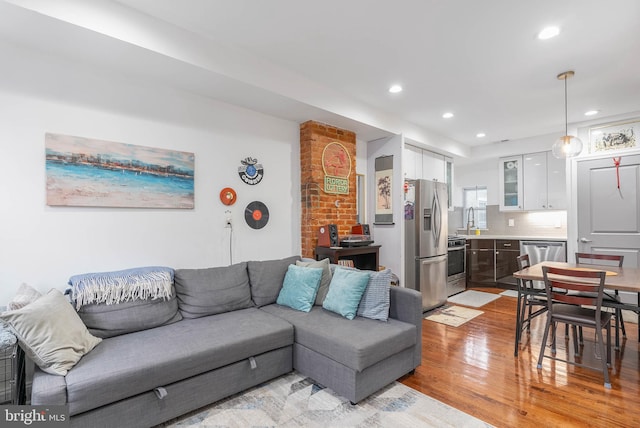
pixel 256 214
pixel 228 196
pixel 251 172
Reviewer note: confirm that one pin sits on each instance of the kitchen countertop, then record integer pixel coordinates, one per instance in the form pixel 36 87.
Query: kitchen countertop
pixel 515 237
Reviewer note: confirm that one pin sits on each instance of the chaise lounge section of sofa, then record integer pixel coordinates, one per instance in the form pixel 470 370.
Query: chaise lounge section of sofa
pixel 228 334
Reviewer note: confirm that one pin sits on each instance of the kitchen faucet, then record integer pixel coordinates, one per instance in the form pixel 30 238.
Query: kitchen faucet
pixel 470 219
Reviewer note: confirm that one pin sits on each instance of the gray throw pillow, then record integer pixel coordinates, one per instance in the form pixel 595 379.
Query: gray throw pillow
pixel 266 278
pixel 203 292
pixel 326 277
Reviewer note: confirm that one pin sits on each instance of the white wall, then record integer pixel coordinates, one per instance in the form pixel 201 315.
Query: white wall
pixel 389 236
pixel 482 173
pixel 361 157
pixel 43 245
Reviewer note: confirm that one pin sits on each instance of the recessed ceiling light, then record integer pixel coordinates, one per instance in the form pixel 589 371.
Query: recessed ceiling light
pixel 394 89
pixel 447 115
pixel 548 33
pixel 481 135
pixel 592 112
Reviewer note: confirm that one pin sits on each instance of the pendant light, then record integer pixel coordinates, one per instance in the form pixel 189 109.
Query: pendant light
pixel 566 146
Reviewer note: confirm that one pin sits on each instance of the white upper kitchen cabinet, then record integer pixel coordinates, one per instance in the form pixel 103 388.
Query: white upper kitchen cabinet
pixel 511 184
pixel 544 182
pixel 412 162
pixel 556 183
pixel 535 181
pixel 433 166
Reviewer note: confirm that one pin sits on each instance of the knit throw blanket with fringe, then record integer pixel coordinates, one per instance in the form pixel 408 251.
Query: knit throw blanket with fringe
pixel 152 282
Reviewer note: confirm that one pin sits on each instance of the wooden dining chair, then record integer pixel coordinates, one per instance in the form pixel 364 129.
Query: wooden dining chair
pixel 584 288
pixel 532 302
pixel 609 299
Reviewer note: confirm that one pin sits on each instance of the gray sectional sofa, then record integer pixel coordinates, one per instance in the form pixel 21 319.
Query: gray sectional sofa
pixel 220 333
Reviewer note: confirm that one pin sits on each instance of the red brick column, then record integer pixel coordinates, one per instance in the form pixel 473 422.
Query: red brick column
pixel 319 208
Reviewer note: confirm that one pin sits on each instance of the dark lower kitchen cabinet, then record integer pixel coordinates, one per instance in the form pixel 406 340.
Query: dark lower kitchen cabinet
pixel 480 263
pixel 491 262
pixel 507 252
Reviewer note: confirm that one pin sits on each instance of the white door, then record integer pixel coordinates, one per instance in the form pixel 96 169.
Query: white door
pixel 608 217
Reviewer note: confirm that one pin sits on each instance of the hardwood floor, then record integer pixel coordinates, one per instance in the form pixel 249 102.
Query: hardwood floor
pixel 472 368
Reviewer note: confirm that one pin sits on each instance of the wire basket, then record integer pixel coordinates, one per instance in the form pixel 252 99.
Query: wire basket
pixel 12 389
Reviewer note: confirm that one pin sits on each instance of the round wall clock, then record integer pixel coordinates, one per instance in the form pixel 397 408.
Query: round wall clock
pixel 228 196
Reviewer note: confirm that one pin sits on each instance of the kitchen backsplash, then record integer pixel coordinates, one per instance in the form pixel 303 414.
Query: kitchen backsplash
pixel 527 223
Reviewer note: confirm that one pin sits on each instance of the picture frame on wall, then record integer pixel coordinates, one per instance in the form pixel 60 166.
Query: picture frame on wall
pixel 86 172
pixel 384 190
pixel 614 136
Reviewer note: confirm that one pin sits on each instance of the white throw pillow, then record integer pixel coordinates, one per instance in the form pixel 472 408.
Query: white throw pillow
pixel 51 333
pixel 25 295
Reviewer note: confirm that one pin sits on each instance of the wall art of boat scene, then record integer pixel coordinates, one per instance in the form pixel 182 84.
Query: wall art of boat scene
pixel 93 173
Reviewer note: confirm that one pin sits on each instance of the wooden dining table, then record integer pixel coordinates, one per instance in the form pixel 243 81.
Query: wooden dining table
pixel 618 278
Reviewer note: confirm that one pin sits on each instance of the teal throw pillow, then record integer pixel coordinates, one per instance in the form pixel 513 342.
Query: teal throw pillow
pixel 300 287
pixel 345 292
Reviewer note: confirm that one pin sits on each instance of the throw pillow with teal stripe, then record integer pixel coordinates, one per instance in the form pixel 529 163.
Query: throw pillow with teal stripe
pixel 300 287
pixel 345 292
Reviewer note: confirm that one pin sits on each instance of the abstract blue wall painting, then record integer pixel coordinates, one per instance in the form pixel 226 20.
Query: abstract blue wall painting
pixel 87 172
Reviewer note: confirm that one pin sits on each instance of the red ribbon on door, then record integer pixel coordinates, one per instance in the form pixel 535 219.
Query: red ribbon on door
pixel 616 162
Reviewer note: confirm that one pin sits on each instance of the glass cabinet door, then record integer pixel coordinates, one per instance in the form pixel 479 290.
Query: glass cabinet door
pixel 511 183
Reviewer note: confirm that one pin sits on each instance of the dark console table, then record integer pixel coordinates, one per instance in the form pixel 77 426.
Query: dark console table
pixel 365 257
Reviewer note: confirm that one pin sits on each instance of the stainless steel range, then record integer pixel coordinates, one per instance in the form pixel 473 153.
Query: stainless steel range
pixel 456 264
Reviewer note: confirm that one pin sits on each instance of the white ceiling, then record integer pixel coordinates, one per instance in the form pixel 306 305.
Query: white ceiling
pixel 334 60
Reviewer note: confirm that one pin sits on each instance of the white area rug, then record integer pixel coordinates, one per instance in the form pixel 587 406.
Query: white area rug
pixel 295 401
pixel 509 293
pixel 454 316
pixel 473 298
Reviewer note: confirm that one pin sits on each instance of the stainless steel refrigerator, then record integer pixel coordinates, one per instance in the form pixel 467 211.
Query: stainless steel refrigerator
pixel 425 221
